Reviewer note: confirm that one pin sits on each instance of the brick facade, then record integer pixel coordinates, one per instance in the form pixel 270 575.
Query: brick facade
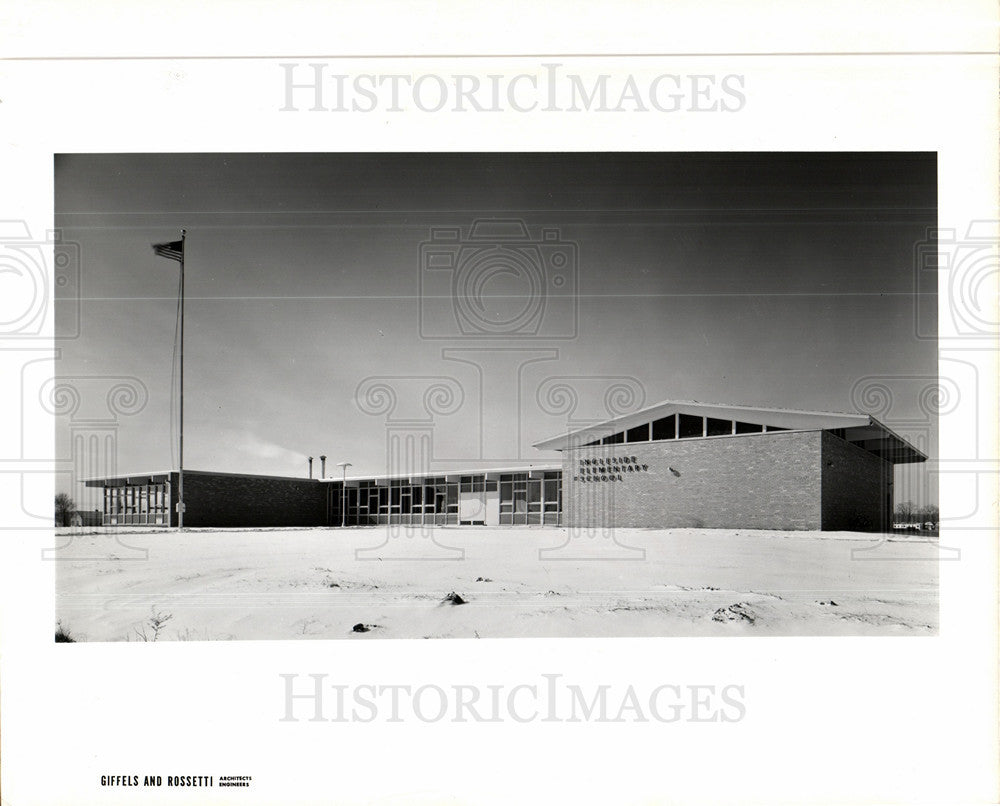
pixel 788 480
pixel 778 480
pixel 857 488
pixel 232 500
pixel 751 481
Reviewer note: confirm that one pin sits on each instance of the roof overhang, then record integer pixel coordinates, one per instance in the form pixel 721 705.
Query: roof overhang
pixel 791 419
pixel 491 473
pixel 157 477
pixel 865 431
pixel 881 440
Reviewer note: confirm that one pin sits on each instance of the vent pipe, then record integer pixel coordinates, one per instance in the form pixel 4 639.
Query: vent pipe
pixel 322 472
pixel 310 467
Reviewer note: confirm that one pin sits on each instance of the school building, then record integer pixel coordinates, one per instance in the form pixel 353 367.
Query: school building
pixel 674 464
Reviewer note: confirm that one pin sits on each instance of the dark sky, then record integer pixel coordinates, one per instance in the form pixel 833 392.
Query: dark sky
pixel 765 279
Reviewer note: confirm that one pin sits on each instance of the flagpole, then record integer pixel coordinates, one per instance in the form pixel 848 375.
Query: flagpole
pixel 180 470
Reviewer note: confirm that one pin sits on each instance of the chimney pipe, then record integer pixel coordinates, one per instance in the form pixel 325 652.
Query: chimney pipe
pixel 322 472
pixel 310 467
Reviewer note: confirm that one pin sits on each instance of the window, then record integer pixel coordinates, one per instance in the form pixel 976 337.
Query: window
pixel 690 426
pixel 718 428
pixel 748 428
pixel 665 427
pixel 638 434
pixel 473 484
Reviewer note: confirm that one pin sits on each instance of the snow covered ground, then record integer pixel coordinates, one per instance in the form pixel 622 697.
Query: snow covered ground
pixel 320 583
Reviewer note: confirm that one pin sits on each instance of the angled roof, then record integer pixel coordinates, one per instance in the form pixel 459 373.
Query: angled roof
pixel 864 430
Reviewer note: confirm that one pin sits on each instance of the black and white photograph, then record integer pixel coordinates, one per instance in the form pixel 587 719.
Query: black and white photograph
pixel 483 395
pixel 514 403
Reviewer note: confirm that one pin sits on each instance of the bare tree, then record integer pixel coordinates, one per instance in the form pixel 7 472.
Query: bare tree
pixel 64 509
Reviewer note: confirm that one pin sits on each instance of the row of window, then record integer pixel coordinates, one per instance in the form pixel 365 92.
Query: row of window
pixel 522 500
pixel 682 426
pixel 137 505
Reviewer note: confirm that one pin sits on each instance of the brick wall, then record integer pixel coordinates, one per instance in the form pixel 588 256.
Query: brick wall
pixel 218 499
pixel 750 481
pixel 857 487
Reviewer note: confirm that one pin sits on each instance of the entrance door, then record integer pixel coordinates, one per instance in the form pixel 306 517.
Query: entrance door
pixel 493 506
pixel 472 509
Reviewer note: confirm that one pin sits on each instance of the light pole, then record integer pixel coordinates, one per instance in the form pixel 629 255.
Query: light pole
pixel 343 494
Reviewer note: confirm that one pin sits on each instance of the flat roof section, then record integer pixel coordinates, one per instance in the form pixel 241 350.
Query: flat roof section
pixel 157 477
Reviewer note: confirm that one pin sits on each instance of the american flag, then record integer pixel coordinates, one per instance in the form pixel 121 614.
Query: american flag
pixel 172 251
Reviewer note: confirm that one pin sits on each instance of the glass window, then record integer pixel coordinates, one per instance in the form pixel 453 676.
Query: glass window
pixel 665 427
pixel 748 428
pixel 718 428
pixel 520 500
pixel 690 426
pixel 638 434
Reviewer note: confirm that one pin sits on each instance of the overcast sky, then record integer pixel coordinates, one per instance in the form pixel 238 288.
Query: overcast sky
pixel 767 279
